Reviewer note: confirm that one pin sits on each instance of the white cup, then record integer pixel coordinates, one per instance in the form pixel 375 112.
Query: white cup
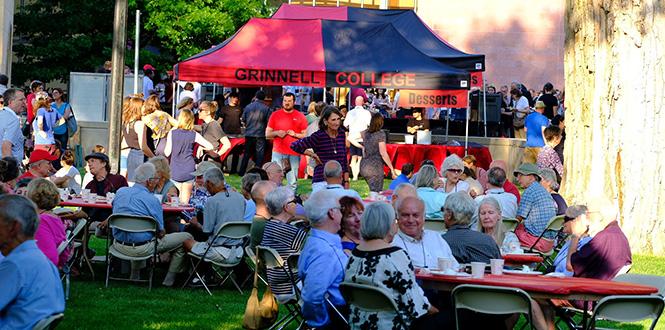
pixel 63 194
pixel 372 195
pixel 109 198
pixel 92 198
pixel 497 266
pixel 85 193
pixel 478 269
pixel 175 200
pixel 159 197
pixel 445 263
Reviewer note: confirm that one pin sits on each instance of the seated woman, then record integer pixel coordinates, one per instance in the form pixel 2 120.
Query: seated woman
pixel 9 172
pixel 167 189
pixel 375 262
pixel 480 173
pixel 451 170
pixel 21 187
pixel 68 175
pixel 489 219
pixel 283 237
pixel 426 182
pixel 350 226
pixel 548 181
pixel 51 231
pixel 468 176
pixel 247 182
pixel 199 198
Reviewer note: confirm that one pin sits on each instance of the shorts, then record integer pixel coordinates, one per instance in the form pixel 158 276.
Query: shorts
pixel 355 151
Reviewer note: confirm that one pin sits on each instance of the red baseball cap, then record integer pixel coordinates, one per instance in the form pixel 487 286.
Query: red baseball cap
pixel 39 154
pixel 148 66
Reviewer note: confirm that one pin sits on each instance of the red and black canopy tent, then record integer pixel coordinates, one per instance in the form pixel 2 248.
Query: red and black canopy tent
pixel 323 53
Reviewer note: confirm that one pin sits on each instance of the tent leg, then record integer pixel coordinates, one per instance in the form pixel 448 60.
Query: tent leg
pixel 484 104
pixel 466 138
pixel 447 122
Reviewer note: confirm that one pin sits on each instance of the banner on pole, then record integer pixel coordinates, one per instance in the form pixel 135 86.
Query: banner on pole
pixel 476 79
pixel 433 98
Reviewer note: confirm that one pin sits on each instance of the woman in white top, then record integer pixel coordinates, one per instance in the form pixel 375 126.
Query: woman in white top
pixel 189 92
pixel 68 175
pixel 521 109
pixel 451 170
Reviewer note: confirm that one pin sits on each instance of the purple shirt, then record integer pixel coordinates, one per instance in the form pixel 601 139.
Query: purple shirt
pixel 49 235
pixel 604 255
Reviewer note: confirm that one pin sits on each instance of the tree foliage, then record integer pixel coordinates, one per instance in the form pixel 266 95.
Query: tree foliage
pixel 63 36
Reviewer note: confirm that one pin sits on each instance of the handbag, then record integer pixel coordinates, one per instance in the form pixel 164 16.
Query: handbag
pixel 72 125
pixel 520 119
pixel 260 314
pixel 286 165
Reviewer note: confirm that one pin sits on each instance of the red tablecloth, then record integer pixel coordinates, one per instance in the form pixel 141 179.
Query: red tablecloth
pixel 522 258
pixel 553 285
pixel 80 202
pixel 401 154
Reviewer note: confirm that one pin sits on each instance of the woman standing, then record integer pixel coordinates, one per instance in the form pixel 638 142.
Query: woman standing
pixel 35 87
pixel 451 170
pixel 375 154
pixel 212 131
pixel 134 136
pixel 159 123
pixel 328 143
pixel 489 219
pixel 65 109
pixel 186 103
pixel 180 146
pixel 46 119
pixel 521 109
pixel 350 225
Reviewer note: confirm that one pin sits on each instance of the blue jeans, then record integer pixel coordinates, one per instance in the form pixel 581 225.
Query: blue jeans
pixel 292 176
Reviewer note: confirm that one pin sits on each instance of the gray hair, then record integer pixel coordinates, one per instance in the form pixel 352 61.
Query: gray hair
pixel 145 172
pixel 449 162
pixel 517 84
pixel 10 94
pixel 318 205
pixel 215 176
pixel 332 169
pixel 462 206
pixel 377 221
pixel 276 199
pixel 491 201
pixel 577 210
pixel 249 180
pixel 548 174
pixel 397 193
pixel 426 177
pixel 21 209
pixel 496 176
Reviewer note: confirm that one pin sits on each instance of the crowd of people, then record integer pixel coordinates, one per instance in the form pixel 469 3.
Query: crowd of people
pixel 345 238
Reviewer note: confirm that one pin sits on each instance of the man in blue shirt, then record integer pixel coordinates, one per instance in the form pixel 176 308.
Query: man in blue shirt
pixel 322 262
pixel 11 137
pixel 534 126
pixel 560 262
pixel 139 200
pixel 30 287
pixel 407 173
pixel 535 210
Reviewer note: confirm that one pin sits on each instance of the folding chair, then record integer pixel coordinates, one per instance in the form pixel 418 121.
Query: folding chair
pixel 292 261
pixel 492 300
pixel 630 308
pixel 133 224
pixel 370 299
pixel 69 242
pixel 271 259
pixel 252 256
pixel 224 270
pixel 435 224
pixel 554 224
pixel 510 224
pixel 655 281
pixel 49 322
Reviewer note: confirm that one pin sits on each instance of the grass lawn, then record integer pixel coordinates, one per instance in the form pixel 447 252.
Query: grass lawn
pixel 128 306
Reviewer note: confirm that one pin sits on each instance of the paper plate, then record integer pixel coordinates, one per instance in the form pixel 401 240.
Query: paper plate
pixel 519 272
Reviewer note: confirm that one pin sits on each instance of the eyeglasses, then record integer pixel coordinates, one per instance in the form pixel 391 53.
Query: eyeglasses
pixel 155 178
pixel 294 201
pixel 340 208
pixel 454 170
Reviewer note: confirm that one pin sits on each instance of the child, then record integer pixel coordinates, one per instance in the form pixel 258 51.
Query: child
pixel 547 157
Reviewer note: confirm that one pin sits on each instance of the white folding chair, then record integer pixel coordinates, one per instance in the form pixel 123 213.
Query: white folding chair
pixel 49 322
pixel 629 308
pixel 510 224
pixel 230 230
pixel 370 299
pixel 492 300
pixel 132 224
pixel 73 246
pixel 655 281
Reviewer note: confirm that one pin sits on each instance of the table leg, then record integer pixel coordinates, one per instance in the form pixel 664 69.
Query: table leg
pixel 585 315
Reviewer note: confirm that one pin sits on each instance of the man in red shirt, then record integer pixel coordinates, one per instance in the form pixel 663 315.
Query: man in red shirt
pixel 286 126
pixel 40 165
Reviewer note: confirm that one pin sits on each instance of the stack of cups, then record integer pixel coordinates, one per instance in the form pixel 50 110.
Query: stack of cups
pixel 478 269
pixel 497 266
pixel 445 264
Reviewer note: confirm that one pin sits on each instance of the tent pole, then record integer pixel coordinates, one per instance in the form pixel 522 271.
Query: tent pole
pixel 484 104
pixel 447 122
pixel 466 138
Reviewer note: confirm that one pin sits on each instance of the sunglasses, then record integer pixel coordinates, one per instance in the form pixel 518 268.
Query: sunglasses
pixel 567 218
pixel 454 170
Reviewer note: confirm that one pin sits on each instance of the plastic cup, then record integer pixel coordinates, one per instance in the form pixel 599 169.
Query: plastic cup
pixel 497 266
pixel 445 263
pixel 85 193
pixel 175 200
pixel 92 198
pixel 372 195
pixel 408 139
pixel 478 269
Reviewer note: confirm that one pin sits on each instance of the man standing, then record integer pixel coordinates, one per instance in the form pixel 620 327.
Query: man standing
pixel 286 126
pixel 424 246
pixel 259 191
pixel 10 124
pixel 535 137
pixel 467 245
pixel 30 287
pixel 40 165
pixel 229 117
pixel 255 118
pixel 357 120
pixel 322 262
pixel 138 200
pixel 535 210
pixel 148 84
pixel 332 172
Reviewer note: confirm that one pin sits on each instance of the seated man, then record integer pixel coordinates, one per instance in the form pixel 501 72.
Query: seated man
pixel 508 186
pixel 407 173
pixel 603 257
pixel 102 182
pixel 39 165
pixel 496 177
pixel 322 262
pixel 402 190
pixel 467 245
pixel 561 261
pixel 535 210
pixel 332 172
pixel 259 191
pixel 224 206
pixel 30 287
pixel 423 246
pixel 138 200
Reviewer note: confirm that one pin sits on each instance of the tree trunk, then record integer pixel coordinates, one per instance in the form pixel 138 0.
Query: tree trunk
pixel 615 112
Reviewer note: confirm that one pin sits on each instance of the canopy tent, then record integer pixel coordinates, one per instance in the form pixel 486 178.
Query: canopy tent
pixel 320 53
pixel 406 22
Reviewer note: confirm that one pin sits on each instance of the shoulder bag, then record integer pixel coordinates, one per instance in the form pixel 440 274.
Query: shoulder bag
pixel 72 125
pixel 260 314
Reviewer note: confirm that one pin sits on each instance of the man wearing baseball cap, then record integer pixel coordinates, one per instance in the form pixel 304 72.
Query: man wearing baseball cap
pixel 148 66
pixel 534 127
pixel 535 210
pixel 40 165
pixel 148 84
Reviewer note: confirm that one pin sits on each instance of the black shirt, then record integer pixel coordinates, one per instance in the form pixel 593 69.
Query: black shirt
pixel 231 115
pixel 550 102
pixel 422 124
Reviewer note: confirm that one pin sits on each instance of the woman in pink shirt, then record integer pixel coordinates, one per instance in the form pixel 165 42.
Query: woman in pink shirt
pixel 51 231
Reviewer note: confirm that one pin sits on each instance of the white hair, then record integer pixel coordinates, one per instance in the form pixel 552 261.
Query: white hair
pixel 277 198
pixel 318 205
pixel 145 172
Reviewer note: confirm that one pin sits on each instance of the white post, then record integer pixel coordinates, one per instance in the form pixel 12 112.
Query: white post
pixel 136 53
pixel 485 104
pixel 383 4
pixel 466 137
